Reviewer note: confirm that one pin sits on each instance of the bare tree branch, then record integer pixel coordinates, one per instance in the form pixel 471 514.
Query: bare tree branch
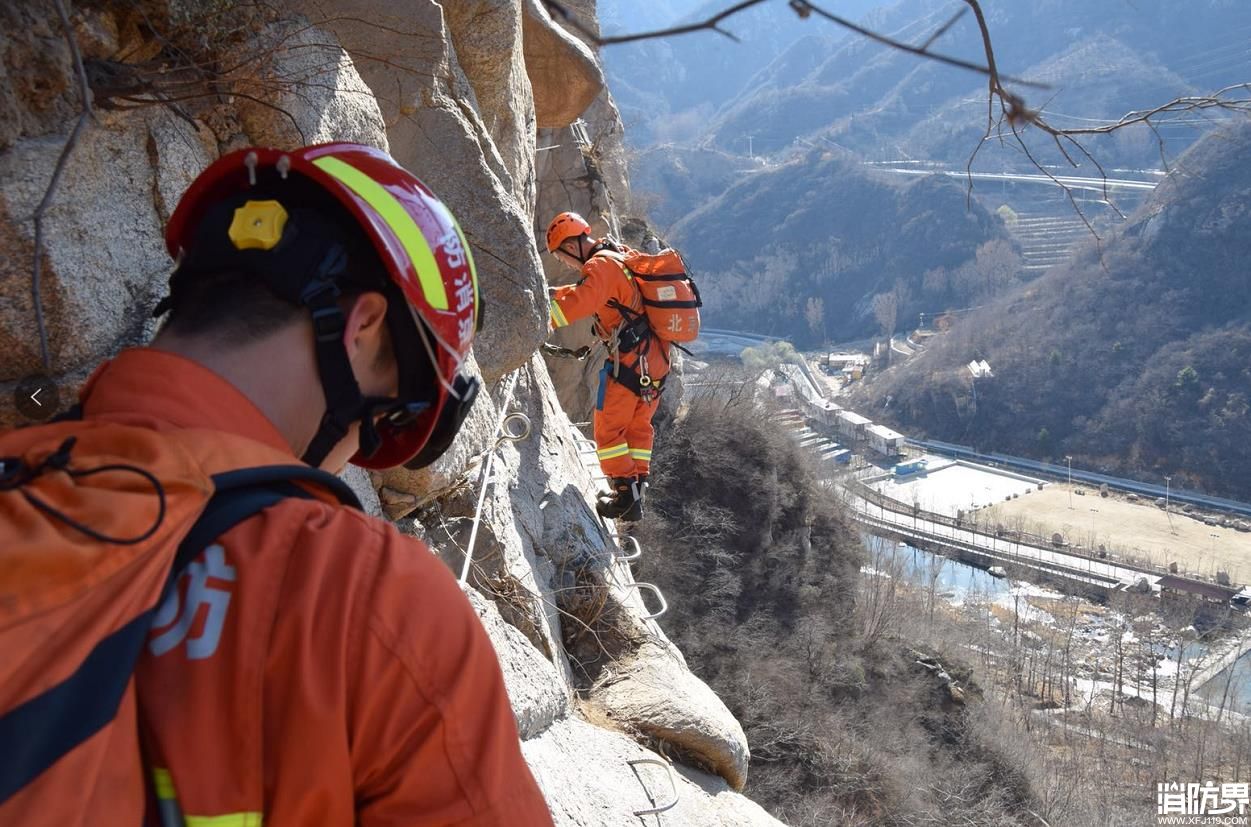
pixel 804 9
pixel 1193 103
pixel 1005 107
pixel 942 30
pixel 709 24
pixel 1013 110
pixel 919 51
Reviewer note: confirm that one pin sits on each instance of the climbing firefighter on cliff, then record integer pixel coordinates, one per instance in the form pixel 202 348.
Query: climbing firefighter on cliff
pixel 642 306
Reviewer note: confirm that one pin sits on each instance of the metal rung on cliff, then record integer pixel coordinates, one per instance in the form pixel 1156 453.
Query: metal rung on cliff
pixel 580 136
pixel 664 605
pixel 587 448
pixel 515 427
pixel 634 555
pixel 590 461
pixel 655 809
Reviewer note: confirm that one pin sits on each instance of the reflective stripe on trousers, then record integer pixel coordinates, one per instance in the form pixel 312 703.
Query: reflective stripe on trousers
pixel 613 451
pixel 172 816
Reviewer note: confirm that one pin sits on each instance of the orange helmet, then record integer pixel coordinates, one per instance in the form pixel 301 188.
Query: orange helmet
pixel 565 226
pixel 319 220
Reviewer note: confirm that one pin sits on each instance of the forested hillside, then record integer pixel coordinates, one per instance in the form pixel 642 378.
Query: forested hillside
pixel 753 153
pixel 1136 357
pixel 1096 79
pixel 847 724
pixel 669 89
pixel 1097 60
pixel 800 249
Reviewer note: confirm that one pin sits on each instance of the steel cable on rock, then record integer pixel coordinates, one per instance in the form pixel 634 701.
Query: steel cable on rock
pixel 502 434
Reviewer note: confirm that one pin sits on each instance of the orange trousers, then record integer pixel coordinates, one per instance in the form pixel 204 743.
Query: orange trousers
pixel 623 429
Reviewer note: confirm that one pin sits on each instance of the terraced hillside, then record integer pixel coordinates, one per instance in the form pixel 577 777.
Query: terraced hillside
pixel 1047 240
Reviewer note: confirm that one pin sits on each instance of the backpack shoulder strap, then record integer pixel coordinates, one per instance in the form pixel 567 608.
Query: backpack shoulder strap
pixel 615 257
pixel 283 477
pixel 246 492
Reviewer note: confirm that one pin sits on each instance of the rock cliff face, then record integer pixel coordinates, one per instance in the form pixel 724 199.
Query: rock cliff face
pixel 504 114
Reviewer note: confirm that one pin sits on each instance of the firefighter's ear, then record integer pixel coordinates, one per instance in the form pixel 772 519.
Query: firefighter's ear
pixel 368 344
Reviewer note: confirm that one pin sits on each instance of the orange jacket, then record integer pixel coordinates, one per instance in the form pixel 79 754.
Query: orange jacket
pixel 604 279
pixel 320 668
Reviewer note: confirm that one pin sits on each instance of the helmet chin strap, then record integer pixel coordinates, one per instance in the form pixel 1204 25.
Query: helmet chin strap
pixel 345 403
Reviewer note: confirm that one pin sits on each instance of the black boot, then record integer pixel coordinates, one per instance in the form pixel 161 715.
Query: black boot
pixel 620 501
pixel 635 512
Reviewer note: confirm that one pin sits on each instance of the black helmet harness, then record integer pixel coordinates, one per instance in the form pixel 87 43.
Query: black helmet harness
pixel 585 254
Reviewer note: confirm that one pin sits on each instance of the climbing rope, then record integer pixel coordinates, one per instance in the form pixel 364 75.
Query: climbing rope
pixel 555 350
pixel 503 433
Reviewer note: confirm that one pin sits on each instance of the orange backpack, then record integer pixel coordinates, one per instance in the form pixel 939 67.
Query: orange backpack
pixel 670 298
pixel 97 522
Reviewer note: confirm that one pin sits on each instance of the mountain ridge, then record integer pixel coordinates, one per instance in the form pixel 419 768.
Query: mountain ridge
pixel 1139 346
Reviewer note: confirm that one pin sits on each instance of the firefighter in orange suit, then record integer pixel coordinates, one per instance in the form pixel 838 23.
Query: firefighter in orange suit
pixel 632 377
pixel 312 666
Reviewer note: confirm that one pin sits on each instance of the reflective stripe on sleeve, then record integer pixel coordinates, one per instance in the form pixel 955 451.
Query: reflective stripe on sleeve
pixel 558 315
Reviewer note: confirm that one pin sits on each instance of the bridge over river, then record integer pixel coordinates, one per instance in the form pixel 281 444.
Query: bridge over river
pixel 883 516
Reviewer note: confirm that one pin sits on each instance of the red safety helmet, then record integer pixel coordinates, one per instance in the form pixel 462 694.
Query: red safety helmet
pixel 420 246
pixel 565 226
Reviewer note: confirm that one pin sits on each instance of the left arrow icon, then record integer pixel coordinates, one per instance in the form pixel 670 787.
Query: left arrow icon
pixel 37 398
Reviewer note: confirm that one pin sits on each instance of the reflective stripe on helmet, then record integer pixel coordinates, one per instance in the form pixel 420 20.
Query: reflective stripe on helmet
pixel 399 222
